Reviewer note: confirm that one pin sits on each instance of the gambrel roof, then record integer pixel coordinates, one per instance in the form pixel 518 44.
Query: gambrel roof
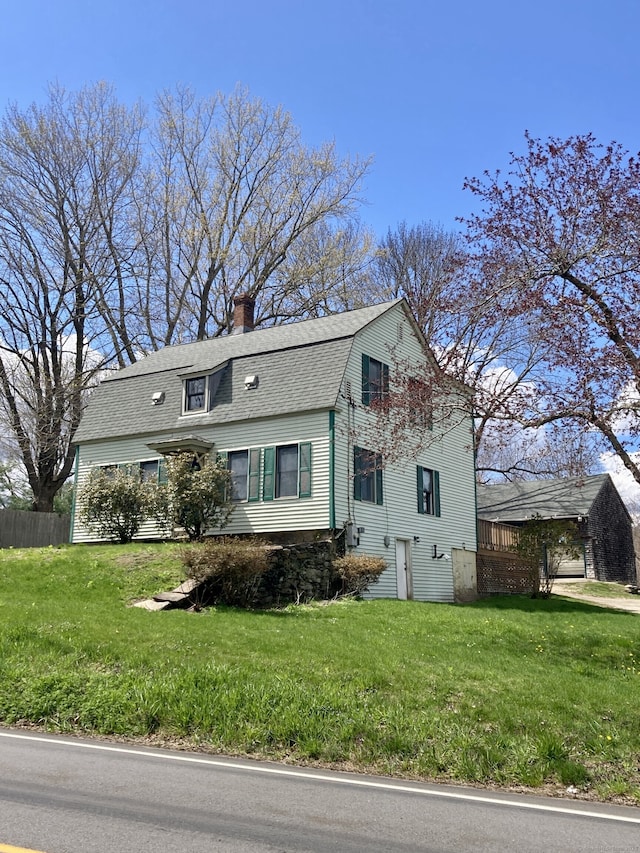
pixel 569 497
pixel 299 366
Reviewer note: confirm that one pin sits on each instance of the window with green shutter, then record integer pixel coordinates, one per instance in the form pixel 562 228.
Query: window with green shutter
pixel 428 483
pixel 286 472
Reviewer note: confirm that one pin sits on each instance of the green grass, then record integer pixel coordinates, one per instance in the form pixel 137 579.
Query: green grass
pixel 507 691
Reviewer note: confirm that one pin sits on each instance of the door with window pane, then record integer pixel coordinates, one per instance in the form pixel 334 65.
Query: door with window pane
pixel 403 569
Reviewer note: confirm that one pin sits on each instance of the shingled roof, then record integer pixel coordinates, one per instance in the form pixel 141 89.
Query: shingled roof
pixel 569 497
pixel 300 368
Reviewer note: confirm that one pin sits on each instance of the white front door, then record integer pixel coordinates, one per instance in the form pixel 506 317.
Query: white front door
pixel 403 571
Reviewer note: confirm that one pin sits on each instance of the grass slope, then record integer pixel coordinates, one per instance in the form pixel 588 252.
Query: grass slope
pixel 507 691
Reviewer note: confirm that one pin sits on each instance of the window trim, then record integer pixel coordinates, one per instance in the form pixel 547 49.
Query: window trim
pixel 376 473
pixel 423 505
pixel 254 464
pixel 280 472
pixel 155 478
pixel 229 454
pixel 211 384
pixel 186 396
pixel 270 471
pixel 370 393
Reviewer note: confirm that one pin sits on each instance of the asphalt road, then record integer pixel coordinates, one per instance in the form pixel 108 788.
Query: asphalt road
pixel 62 795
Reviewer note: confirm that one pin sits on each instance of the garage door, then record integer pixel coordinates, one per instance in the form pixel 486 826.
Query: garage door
pixel 569 564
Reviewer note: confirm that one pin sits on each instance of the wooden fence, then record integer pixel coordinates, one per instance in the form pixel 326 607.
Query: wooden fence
pixel 20 529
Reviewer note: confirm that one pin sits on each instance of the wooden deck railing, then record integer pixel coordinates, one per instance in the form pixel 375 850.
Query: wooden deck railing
pixel 493 536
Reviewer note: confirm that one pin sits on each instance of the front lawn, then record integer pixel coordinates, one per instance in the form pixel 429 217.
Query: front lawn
pixel 507 691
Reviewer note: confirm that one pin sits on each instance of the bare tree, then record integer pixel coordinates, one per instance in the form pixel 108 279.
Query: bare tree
pixel 235 203
pixel 119 236
pixel 65 171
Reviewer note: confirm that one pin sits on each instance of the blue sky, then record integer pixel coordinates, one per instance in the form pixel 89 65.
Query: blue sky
pixel 434 91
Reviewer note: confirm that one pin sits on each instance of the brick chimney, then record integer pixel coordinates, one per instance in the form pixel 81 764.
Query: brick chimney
pixel 243 314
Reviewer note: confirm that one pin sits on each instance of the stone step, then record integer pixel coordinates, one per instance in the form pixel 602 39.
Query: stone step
pixel 150 604
pixel 171 597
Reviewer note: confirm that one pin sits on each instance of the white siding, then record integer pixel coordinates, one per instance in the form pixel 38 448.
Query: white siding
pixel 282 514
pixel 450 453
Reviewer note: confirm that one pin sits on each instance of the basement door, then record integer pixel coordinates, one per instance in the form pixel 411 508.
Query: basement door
pixel 403 569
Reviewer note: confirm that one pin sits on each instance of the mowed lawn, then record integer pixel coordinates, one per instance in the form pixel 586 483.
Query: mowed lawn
pixel 507 691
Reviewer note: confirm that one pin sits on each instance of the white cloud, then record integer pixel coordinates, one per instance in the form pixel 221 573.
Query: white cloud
pixel 624 482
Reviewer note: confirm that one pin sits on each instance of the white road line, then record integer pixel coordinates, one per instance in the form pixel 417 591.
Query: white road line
pixel 319 777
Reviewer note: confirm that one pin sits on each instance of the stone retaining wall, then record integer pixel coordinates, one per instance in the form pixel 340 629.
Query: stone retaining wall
pixel 299 572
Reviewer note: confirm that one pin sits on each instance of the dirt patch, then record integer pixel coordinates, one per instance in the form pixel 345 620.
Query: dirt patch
pixel 576 589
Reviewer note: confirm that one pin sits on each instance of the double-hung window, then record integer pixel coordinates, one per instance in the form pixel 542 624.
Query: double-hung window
pixel 195 393
pixel 367 476
pixel 200 391
pixel 287 471
pixel 238 464
pixel 428 491
pixel 375 380
pixel 270 472
pixel 419 397
pixel 244 467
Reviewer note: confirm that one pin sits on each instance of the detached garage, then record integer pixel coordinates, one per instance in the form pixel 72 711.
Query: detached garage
pixel 593 503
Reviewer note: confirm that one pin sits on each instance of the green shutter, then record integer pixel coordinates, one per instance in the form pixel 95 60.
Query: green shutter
pixel 253 493
pixel 163 475
pixel 436 492
pixel 357 469
pixel 420 490
pixel 304 470
pixel 268 484
pixel 366 396
pixel 379 479
pixel 385 381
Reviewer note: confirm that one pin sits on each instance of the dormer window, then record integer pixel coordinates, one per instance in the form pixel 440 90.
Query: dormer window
pixel 195 392
pixel 200 391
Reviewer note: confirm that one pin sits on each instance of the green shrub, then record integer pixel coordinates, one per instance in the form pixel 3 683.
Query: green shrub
pixel 114 502
pixel 358 571
pixel 231 568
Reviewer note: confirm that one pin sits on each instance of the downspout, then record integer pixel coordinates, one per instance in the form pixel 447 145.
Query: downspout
pixel 75 492
pixel 475 482
pixel 332 469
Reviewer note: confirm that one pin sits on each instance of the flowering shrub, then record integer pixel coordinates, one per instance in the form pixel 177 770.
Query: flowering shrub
pixel 114 502
pixel 195 496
